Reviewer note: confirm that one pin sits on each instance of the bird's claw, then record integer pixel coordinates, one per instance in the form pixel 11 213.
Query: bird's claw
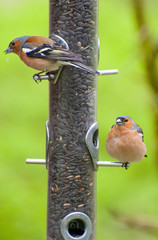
pixel 125 165
pixel 38 78
pixel 50 76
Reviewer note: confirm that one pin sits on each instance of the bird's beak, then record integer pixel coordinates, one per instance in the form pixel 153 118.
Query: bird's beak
pixel 119 121
pixel 8 50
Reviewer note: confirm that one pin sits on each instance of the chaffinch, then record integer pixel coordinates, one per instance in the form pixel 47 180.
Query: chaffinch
pixel 46 54
pixel 125 141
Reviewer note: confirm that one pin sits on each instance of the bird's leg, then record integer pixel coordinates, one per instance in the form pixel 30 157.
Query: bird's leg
pixel 50 76
pixel 125 165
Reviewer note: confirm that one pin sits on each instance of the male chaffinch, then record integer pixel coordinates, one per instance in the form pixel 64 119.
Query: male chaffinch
pixel 46 54
pixel 125 141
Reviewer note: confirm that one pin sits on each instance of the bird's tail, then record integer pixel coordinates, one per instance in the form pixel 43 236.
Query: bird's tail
pixel 84 67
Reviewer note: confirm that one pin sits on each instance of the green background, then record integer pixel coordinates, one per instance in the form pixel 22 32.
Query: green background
pixel 24 111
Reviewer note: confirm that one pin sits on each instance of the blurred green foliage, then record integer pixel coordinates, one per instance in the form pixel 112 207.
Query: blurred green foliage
pixel 24 111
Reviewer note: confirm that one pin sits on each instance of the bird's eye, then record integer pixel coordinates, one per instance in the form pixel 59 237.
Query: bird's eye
pixel 13 43
pixel 126 120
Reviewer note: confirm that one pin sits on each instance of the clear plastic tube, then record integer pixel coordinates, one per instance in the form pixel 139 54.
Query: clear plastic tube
pixel 72 110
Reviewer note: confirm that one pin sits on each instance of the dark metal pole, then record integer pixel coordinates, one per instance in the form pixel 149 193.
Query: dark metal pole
pixel 72 110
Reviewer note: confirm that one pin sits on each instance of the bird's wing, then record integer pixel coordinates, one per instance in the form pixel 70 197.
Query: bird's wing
pixel 52 52
pixel 140 131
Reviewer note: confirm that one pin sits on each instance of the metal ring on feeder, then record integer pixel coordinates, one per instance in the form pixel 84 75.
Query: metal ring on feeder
pixel 76 226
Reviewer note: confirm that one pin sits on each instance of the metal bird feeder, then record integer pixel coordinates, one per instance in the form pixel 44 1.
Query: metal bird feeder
pixel 72 130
